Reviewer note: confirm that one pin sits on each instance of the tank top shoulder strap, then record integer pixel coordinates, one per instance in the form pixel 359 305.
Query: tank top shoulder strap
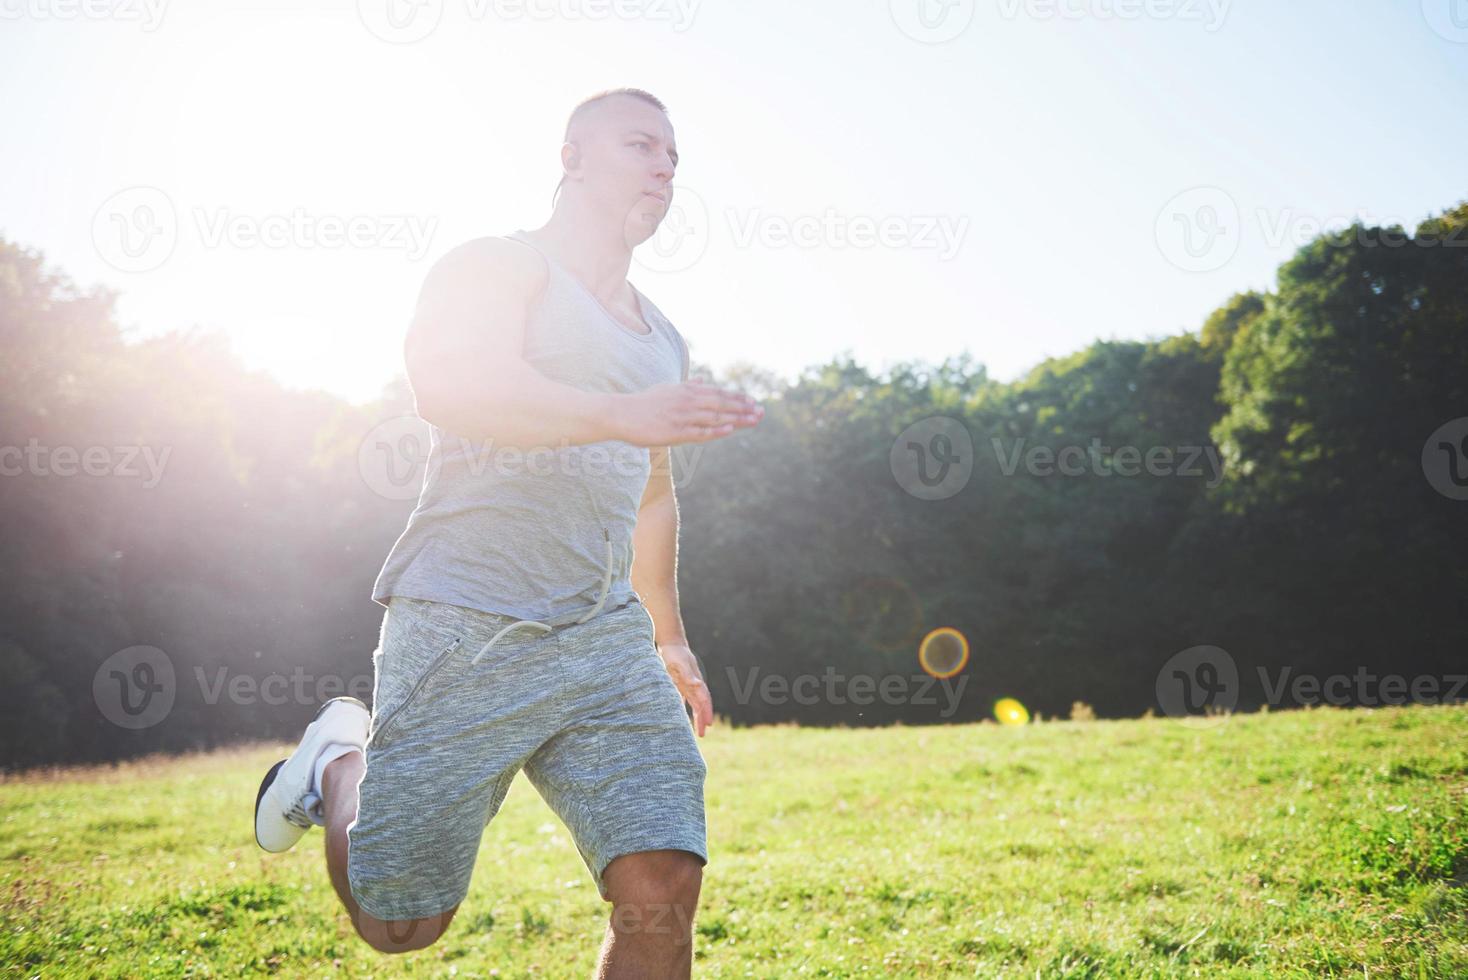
pixel 551 269
pixel 558 279
pixel 562 280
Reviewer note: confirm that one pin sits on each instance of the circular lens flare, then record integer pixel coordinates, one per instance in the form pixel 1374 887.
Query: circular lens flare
pixel 943 652
pixel 1008 711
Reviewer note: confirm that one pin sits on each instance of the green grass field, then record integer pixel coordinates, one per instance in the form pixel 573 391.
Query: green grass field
pixel 1324 842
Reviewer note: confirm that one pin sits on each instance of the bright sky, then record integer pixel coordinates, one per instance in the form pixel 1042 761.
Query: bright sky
pixel 1049 173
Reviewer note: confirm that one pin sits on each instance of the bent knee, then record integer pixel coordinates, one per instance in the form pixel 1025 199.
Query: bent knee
pixel 671 878
pixel 403 935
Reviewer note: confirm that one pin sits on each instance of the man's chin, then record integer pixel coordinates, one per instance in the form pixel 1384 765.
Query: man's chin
pixel 642 224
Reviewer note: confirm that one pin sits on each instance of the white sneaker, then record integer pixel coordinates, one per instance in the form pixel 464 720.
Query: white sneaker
pixel 287 801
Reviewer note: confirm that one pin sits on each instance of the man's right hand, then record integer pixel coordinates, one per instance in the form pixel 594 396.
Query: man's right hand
pixel 681 412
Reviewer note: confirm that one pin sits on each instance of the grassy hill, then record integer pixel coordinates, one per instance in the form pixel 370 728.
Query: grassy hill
pixel 1324 842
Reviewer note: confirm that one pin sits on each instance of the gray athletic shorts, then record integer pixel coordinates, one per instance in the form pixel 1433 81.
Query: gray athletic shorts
pixel 587 710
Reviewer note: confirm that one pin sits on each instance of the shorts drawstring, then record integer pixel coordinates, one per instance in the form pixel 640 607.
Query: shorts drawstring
pixel 606 588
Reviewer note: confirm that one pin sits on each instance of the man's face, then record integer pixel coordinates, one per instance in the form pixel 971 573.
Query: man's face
pixel 628 155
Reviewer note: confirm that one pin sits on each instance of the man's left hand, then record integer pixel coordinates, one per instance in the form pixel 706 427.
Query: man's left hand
pixel 683 668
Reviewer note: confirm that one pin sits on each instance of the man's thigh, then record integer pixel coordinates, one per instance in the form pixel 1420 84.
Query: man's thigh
pixel 447 738
pixel 624 773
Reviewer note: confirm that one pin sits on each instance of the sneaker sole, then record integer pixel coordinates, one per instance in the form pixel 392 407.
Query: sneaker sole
pixel 264 785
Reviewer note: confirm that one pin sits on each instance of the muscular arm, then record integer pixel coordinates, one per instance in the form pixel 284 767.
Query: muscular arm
pixel 655 577
pixel 655 552
pixel 465 355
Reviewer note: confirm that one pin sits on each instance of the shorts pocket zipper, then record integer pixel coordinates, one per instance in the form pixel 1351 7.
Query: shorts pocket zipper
pixel 433 668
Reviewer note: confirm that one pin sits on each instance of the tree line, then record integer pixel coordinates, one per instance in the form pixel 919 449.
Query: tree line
pixel 1288 485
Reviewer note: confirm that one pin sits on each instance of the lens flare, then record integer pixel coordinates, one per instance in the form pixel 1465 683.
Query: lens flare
pixel 943 652
pixel 1008 711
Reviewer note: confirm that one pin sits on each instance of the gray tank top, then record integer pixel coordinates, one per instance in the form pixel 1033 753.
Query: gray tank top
pixel 541 534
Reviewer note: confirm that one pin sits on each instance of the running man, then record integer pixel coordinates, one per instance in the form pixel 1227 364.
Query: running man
pixel 532 607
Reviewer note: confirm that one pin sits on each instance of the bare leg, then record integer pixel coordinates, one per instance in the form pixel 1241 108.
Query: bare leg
pixel 339 782
pixel 654 895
